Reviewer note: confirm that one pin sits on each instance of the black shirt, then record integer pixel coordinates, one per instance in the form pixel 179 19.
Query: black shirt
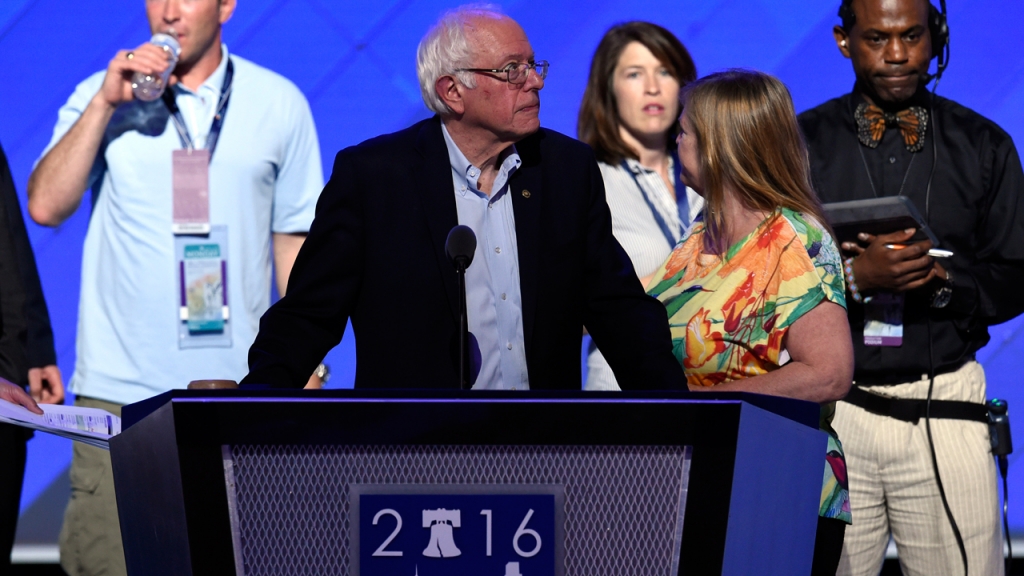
pixel 26 338
pixel 975 209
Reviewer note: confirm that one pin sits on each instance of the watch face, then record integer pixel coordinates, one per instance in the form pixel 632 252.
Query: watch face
pixel 942 297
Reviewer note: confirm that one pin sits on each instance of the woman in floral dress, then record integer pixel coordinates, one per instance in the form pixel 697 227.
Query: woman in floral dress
pixel 754 292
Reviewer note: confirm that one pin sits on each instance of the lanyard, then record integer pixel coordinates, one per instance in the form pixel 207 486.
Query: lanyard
pixel 218 116
pixel 654 211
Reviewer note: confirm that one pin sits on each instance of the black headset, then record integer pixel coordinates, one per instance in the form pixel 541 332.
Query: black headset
pixel 937 27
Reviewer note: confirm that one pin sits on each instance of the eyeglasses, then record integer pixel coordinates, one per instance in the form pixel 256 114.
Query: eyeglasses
pixel 514 73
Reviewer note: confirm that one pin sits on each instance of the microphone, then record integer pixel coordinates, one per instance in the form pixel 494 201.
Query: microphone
pixel 460 247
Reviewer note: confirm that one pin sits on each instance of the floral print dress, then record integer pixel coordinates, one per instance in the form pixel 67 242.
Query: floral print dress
pixel 729 315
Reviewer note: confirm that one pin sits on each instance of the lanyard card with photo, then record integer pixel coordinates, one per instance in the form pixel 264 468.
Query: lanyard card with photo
pixel 883 320
pixel 203 312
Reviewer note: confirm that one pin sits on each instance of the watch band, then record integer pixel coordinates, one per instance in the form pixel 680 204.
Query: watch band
pixel 323 371
pixel 944 293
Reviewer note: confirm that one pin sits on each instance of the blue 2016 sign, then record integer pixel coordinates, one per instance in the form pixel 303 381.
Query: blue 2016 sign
pixel 457 535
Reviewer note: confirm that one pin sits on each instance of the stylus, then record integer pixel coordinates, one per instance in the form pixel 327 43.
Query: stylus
pixel 934 252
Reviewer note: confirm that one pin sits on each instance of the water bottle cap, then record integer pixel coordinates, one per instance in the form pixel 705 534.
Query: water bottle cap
pixel 167 41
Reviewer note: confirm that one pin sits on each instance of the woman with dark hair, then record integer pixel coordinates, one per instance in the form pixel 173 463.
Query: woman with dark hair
pixel 628 117
pixel 755 292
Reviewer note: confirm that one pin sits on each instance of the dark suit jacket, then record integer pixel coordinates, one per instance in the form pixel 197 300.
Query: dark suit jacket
pixel 26 338
pixel 375 254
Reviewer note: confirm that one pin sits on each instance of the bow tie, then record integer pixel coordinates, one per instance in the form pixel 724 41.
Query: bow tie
pixel 872 122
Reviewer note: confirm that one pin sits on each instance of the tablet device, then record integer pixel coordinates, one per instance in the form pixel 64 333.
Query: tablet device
pixel 877 216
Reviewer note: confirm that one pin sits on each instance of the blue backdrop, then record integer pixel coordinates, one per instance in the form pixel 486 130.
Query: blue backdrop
pixel 354 60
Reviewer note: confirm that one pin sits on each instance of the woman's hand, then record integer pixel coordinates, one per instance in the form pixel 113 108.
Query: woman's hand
pixel 14 393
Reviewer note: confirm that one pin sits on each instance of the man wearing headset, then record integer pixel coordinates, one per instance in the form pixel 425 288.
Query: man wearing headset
pixel 917 321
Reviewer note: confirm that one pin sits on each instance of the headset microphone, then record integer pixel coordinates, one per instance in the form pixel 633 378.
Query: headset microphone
pixel 938 26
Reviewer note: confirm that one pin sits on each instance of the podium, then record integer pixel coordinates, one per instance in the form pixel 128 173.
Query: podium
pixel 425 483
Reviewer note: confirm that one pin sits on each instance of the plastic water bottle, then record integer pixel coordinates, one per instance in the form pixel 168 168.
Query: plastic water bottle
pixel 148 87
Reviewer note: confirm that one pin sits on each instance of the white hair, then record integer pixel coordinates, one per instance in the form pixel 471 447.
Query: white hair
pixel 445 48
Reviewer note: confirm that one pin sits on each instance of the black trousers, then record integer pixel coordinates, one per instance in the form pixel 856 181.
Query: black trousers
pixel 828 546
pixel 12 473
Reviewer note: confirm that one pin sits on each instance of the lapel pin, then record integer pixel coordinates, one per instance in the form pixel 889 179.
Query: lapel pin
pixel 526 193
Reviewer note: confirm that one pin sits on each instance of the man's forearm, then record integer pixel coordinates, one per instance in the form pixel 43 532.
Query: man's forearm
pixel 56 186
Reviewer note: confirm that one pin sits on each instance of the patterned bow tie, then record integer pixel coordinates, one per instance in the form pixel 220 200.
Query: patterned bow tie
pixel 872 122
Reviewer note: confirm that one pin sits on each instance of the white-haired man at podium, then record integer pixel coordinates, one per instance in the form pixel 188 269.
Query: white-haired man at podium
pixel 545 265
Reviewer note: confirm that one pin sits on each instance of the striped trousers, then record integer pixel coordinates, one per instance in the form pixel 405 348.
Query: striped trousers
pixel 893 489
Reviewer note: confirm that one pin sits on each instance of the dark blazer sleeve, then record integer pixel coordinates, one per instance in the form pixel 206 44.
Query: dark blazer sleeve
pixel 298 331
pixel 40 334
pixel 985 293
pixel 630 327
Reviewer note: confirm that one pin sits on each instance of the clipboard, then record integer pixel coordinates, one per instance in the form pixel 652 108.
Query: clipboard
pixel 877 216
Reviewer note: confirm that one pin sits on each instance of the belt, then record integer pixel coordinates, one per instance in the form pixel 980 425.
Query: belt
pixel 911 410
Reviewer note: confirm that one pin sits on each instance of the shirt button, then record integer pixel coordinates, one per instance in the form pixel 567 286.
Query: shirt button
pixel 490 206
pixel 508 345
pixel 892 159
pixel 497 249
pixel 502 295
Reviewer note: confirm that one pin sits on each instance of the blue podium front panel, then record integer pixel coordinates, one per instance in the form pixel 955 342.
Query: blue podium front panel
pixel 553 510
pixel 217 483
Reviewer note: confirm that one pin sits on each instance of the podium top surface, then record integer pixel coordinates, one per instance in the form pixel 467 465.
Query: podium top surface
pixel 294 402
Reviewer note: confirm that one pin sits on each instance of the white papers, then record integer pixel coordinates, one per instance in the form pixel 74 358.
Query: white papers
pixel 89 425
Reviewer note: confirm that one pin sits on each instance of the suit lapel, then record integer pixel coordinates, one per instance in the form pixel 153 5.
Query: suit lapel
pixel 437 199
pixel 527 196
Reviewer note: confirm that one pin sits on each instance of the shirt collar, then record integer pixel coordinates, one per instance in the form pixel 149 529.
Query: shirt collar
pixel 636 167
pixel 216 80
pixel 461 165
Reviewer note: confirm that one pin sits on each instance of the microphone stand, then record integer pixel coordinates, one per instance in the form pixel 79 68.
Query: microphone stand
pixel 460 269
pixel 460 247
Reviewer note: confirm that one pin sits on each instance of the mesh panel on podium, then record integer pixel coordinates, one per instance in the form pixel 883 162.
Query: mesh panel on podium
pixel 623 504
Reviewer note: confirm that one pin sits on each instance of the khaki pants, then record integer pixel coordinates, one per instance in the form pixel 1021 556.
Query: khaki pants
pixel 90 539
pixel 893 488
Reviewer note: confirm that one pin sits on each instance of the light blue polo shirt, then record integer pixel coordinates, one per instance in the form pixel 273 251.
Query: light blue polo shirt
pixel 265 177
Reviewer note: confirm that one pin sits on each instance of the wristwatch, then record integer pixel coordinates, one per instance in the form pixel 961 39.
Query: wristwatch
pixel 944 293
pixel 323 371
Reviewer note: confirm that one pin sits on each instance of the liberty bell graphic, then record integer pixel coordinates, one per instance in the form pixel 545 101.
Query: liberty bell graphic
pixel 442 541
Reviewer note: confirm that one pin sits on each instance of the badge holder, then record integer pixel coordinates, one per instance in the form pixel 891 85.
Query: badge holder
pixel 203 313
pixel 883 320
pixel 190 181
